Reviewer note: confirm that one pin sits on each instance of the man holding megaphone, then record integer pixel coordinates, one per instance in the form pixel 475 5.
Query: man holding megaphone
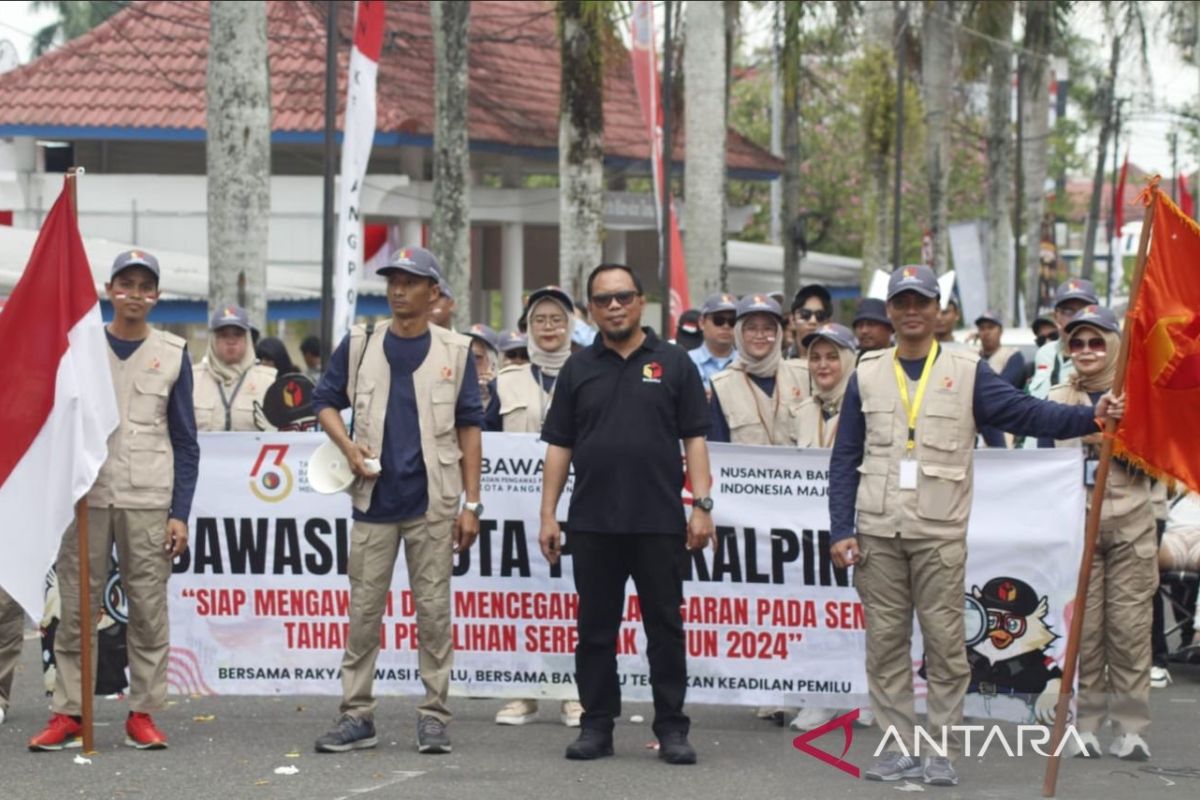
pixel 415 447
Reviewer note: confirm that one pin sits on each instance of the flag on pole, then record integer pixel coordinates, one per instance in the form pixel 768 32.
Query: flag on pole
pixel 1161 425
pixel 57 403
pixel 358 133
pixel 646 80
pixel 1186 204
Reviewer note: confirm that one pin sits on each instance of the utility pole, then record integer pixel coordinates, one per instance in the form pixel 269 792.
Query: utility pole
pixel 667 81
pixel 330 157
pixel 1019 205
pixel 901 26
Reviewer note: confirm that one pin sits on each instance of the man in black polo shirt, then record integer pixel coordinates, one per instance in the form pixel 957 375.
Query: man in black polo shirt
pixel 619 411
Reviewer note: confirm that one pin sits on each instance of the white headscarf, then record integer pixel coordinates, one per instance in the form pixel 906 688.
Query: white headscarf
pixel 550 362
pixel 228 374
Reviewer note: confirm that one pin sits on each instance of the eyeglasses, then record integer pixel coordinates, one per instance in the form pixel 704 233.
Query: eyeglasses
pixel 1095 344
pixel 622 298
pixel 807 314
pixel 1013 624
pixel 723 320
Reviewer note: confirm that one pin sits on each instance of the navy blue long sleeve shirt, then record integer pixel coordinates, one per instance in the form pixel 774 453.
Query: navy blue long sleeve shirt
pixel 401 491
pixel 994 403
pixel 181 428
pixel 1013 373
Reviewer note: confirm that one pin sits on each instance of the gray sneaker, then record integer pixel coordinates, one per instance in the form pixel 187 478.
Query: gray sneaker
pixel 892 766
pixel 940 772
pixel 350 733
pixel 431 735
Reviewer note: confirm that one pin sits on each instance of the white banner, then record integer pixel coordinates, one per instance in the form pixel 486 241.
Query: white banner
pixel 259 605
pixel 357 137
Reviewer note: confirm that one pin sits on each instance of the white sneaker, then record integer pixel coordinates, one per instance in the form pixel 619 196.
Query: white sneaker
pixel 570 713
pixel 1 715
pixel 518 712
pixel 1160 678
pixel 810 718
pixel 866 718
pixel 1130 747
pixel 1091 746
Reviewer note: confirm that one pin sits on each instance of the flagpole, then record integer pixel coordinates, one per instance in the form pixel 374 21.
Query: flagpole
pixel 1092 530
pixel 667 133
pixel 87 681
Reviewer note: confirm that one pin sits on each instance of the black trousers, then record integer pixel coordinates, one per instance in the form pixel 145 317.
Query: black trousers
pixel 603 562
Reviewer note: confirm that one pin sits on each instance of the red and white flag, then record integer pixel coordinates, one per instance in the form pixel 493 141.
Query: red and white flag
pixel 646 79
pixel 358 134
pixel 57 403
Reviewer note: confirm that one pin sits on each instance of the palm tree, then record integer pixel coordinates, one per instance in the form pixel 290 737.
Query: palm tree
pixel 584 28
pixel 938 45
pixel 705 123
pixel 238 153
pixel 75 18
pixel 450 227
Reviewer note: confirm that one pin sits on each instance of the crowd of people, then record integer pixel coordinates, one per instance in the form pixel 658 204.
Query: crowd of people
pixel 896 398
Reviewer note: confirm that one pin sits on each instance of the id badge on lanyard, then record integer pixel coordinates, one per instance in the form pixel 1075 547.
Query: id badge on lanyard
pixel 908 463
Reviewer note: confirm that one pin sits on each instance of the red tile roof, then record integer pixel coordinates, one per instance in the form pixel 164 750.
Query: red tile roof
pixel 144 69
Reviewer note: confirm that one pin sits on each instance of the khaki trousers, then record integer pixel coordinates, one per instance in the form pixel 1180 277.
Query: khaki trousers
pixel 894 577
pixel 12 637
pixel 1116 628
pixel 428 550
pixel 139 535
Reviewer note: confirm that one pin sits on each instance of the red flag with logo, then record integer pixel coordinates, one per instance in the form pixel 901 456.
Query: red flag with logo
pixel 646 79
pixel 1161 425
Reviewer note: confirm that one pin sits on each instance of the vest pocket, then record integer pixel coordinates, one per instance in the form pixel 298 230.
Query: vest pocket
pixel 880 416
pixel 872 485
pixel 940 493
pixel 149 463
pixel 444 397
pixel 362 410
pixel 148 401
pixel 449 459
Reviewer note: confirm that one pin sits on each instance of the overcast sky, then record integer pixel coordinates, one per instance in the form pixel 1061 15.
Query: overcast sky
pixel 1171 83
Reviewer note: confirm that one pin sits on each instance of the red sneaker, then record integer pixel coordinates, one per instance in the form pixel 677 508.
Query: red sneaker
pixel 61 732
pixel 142 733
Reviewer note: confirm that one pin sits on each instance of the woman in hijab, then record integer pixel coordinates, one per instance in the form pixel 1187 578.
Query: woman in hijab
pixel 525 392
pixel 756 399
pixel 1115 656
pixel 228 382
pixel 831 357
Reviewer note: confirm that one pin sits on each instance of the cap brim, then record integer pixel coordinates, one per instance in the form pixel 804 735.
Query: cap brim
pixel 145 264
pixel 386 268
pixel 921 290
pixel 1085 297
pixel 812 337
pixel 1091 323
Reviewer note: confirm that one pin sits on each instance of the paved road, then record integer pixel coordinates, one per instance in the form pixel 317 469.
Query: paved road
pixel 230 747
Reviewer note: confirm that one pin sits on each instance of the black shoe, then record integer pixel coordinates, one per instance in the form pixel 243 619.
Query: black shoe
pixel 432 738
pixel 350 733
pixel 590 745
pixel 674 748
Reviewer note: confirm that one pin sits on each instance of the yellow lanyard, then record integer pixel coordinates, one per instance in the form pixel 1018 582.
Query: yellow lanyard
pixel 913 407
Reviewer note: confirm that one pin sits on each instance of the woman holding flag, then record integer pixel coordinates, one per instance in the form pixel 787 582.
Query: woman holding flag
pixel 1114 655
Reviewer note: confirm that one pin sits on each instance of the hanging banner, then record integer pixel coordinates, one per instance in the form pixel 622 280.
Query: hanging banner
pixel 647 82
pixel 357 136
pixel 259 605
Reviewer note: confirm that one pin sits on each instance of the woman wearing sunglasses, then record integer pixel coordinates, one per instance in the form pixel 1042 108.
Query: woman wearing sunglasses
pixel 1115 658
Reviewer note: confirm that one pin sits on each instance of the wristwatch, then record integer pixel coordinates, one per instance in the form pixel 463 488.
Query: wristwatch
pixel 703 503
pixel 474 508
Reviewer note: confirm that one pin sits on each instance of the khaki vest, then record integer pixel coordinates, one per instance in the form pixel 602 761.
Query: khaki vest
pixel 523 402
pixel 999 359
pixel 812 430
pixel 140 469
pixel 210 410
pixel 436 383
pixel 735 390
pixel 938 508
pixel 1127 492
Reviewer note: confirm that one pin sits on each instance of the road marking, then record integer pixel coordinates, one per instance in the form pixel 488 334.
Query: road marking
pixel 401 776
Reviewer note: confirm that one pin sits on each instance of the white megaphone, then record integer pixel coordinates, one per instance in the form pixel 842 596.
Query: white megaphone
pixel 328 470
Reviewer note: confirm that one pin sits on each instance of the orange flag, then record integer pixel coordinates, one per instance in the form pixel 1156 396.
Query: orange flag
pixel 1161 428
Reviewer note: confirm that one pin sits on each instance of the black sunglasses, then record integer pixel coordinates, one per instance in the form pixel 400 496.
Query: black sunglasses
pixel 808 313
pixel 723 320
pixel 623 298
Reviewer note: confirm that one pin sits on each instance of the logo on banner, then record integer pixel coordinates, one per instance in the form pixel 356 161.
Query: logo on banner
pixel 271 482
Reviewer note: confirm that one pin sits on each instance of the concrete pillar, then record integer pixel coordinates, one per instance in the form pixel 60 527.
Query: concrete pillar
pixel 512 272
pixel 614 247
pixel 410 232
